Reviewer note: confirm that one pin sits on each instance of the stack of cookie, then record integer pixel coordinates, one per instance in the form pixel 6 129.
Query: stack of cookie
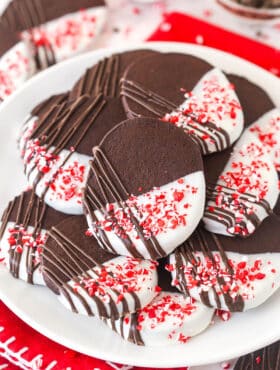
pixel 152 199
pixel 35 34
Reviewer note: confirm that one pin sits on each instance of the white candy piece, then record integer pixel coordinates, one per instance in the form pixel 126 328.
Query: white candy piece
pixel 126 282
pixel 171 318
pixel 67 36
pixel 211 113
pixel 245 192
pixel 61 178
pixel 23 254
pixel 168 214
pixel 267 130
pixel 16 67
pixel 256 277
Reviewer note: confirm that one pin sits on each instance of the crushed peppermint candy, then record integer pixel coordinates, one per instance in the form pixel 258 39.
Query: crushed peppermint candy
pixel 65 35
pixel 14 68
pixel 204 274
pixel 20 238
pixel 68 182
pixel 122 278
pixel 241 187
pixel 269 136
pixel 215 104
pixel 67 179
pixel 172 308
pixel 156 212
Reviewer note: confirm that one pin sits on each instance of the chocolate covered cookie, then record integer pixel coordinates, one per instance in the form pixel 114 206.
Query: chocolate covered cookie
pixel 24 225
pixel 91 281
pixel 57 144
pixel 234 274
pixel 246 190
pixel 171 318
pixel 187 92
pixel 145 190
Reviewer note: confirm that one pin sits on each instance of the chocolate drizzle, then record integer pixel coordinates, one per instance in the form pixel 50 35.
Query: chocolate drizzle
pixel 24 211
pixel 159 106
pixel 110 186
pixel 70 255
pixel 102 78
pixel 267 358
pixel 65 126
pixel 226 216
pixel 185 255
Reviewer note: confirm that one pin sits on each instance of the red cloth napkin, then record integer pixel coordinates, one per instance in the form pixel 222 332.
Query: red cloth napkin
pixel 22 346
pixel 184 28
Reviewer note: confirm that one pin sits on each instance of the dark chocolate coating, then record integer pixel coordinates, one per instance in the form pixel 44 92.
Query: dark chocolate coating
pixel 166 75
pixel 98 122
pixel 101 77
pixel 7 39
pixel 25 14
pixel 49 103
pixel 266 239
pixel 26 206
pixel 148 153
pixel 267 358
pixel 73 229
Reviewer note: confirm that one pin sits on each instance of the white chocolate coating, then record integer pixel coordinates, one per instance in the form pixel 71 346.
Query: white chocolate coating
pixel 245 189
pixel 141 281
pixel 213 100
pixel 6 258
pixel 172 221
pixel 256 278
pixel 171 318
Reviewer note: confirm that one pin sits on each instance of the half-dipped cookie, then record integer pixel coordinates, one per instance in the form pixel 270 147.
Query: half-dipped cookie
pixel 56 146
pixel 24 225
pixel 245 192
pixel 145 190
pixel 91 281
pixel 233 274
pixel 187 92
pixel 171 318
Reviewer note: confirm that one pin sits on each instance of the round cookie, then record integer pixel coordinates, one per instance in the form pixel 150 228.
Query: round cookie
pixel 233 274
pixel 171 318
pixel 145 191
pixel 104 77
pixel 24 225
pixel 267 358
pixel 245 192
pixel 57 146
pixel 91 281
pixel 193 96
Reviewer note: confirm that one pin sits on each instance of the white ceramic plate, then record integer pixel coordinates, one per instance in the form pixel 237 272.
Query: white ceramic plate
pixel 38 306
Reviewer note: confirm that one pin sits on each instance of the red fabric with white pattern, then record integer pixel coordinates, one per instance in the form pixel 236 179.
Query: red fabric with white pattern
pixel 21 345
